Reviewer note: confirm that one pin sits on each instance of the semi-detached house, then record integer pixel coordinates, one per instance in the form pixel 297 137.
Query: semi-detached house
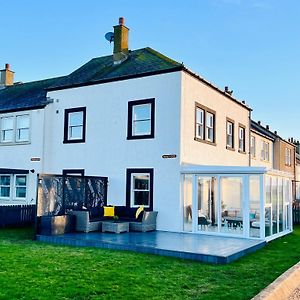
pixel 164 136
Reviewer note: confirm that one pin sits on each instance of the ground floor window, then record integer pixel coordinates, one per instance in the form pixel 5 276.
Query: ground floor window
pixel 13 187
pixel 5 186
pixel 139 188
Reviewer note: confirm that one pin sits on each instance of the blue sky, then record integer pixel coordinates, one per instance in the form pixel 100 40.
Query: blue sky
pixel 252 46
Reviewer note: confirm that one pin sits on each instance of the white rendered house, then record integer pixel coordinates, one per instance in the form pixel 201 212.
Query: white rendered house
pixel 165 137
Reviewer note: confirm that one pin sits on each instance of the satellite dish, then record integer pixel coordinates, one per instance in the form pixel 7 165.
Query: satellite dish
pixel 109 36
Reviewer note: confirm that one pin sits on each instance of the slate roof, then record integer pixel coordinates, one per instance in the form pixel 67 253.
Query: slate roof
pixel 141 62
pixel 267 133
pixel 262 130
pixel 23 96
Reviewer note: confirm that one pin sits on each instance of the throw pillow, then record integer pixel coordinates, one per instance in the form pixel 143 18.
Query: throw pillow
pixel 109 211
pixel 138 211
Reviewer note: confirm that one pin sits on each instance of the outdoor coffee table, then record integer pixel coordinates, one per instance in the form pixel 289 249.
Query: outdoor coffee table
pixel 116 227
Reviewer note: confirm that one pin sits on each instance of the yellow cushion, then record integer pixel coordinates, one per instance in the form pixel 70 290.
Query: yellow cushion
pixel 138 211
pixel 109 211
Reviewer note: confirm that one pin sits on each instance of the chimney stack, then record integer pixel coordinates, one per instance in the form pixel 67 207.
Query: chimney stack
pixel 120 42
pixel 6 76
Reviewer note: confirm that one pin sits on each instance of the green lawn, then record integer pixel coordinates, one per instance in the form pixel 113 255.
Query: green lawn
pixel 33 270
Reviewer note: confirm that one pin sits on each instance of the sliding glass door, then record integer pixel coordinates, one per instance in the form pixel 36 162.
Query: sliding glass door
pixel 232 205
pixel 207 205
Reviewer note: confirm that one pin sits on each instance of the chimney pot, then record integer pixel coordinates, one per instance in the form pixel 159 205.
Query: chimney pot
pixel 267 127
pixel 7 67
pixel 275 132
pixel 226 89
pixel 258 122
pixel 121 21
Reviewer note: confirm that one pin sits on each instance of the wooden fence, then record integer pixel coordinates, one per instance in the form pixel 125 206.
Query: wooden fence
pixel 17 215
pixel 296 212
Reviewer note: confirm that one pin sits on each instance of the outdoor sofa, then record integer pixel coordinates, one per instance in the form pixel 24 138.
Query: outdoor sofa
pixel 90 220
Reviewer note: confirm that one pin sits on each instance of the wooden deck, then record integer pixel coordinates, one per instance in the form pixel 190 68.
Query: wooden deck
pixel 205 248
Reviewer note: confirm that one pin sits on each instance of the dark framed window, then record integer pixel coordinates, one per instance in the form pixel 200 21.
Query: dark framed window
pixel 242 139
pixel 205 124
pixel 141 119
pixel 75 124
pixel 74 172
pixel 139 188
pixel 229 134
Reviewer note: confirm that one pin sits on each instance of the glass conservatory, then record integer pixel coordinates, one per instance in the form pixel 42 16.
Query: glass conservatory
pixel 248 202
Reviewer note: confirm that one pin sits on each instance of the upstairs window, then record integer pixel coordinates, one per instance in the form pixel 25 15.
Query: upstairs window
pixel 204 124
pixel 210 130
pixel 15 128
pixel 199 123
pixel 230 134
pixel 140 119
pixel 22 128
pixel 252 146
pixel 288 157
pixel 242 140
pixel 265 151
pixel 75 123
pixel 7 129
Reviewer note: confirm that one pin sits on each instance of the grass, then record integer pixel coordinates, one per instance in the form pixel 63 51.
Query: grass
pixel 33 270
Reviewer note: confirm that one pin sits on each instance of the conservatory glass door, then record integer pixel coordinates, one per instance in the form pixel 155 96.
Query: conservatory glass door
pixel 207 205
pixel 232 205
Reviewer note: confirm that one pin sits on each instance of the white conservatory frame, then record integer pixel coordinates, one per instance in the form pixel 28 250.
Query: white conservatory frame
pixel 218 172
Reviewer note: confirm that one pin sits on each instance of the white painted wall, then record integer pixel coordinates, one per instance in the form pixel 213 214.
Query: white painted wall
pixel 257 161
pixel 195 152
pixel 18 156
pixel 107 152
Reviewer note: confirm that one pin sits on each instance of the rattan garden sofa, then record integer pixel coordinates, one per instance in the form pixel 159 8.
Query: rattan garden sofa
pixel 87 221
pixel 148 222
pixel 83 222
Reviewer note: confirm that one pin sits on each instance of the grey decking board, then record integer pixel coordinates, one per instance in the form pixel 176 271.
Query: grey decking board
pixel 212 249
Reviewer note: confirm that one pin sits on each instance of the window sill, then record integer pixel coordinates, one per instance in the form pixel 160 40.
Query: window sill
pixel 230 148
pixel 13 143
pixel 205 141
pixel 140 137
pixel 74 141
pixel 9 200
pixel 242 152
